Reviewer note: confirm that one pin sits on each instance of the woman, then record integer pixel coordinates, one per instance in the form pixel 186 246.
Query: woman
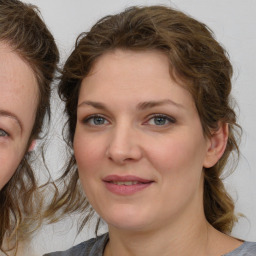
pixel 147 95
pixel 28 57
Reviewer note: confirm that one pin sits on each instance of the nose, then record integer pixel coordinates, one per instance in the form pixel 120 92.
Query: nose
pixel 124 145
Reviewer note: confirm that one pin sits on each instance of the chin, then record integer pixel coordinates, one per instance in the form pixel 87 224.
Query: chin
pixel 127 221
pixel 129 226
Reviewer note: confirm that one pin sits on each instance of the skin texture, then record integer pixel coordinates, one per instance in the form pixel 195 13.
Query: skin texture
pixel 18 102
pixel 134 119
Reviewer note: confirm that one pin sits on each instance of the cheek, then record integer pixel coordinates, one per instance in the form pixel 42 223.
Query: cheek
pixel 88 153
pixel 179 164
pixel 180 157
pixel 11 154
pixel 8 165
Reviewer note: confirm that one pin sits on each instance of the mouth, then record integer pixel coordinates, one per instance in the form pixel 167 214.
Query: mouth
pixel 127 180
pixel 126 185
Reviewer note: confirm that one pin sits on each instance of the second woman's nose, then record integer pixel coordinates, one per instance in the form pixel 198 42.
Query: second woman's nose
pixel 124 144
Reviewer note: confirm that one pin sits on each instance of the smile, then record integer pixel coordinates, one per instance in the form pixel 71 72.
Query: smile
pixel 126 185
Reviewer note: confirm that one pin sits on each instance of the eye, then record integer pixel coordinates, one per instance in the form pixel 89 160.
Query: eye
pixel 160 120
pixel 3 133
pixel 96 120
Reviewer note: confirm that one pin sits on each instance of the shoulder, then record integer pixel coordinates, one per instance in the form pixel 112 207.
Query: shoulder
pixel 246 249
pixel 92 247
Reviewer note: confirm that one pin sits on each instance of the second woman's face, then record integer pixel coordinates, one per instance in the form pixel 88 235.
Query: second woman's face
pixel 18 102
pixel 139 144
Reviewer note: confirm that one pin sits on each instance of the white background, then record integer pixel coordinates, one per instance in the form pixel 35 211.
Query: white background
pixel 234 23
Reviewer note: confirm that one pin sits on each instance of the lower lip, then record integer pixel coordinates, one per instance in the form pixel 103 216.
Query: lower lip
pixel 126 190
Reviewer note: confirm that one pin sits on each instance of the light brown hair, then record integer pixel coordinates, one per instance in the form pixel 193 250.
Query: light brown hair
pixel 22 28
pixel 195 57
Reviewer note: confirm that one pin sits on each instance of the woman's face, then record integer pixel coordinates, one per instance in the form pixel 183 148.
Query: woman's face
pixel 139 144
pixel 18 102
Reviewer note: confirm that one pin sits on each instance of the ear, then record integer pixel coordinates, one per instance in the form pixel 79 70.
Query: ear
pixel 217 145
pixel 32 146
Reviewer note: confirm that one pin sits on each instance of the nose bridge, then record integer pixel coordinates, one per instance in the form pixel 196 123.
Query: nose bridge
pixel 124 143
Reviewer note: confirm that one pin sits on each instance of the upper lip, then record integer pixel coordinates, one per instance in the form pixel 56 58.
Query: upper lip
pixel 115 178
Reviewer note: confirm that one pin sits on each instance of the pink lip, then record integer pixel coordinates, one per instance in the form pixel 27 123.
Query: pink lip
pixel 126 189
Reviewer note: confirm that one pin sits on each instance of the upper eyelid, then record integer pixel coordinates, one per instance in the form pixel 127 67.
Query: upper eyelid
pixel 87 118
pixel 13 117
pixel 161 115
pixel 94 115
pixel 10 126
pixel 7 134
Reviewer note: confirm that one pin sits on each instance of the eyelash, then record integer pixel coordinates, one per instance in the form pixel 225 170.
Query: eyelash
pixel 92 118
pixel 3 133
pixel 154 116
pixel 162 116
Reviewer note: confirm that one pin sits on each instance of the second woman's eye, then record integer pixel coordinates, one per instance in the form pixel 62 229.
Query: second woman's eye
pixel 160 120
pixel 96 120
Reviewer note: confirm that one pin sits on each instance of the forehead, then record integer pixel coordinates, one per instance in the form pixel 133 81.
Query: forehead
pixel 18 84
pixel 13 67
pixel 140 58
pixel 139 74
pixel 123 68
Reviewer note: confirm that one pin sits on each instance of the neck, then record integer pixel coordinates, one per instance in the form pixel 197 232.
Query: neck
pixel 194 242
pixel 188 240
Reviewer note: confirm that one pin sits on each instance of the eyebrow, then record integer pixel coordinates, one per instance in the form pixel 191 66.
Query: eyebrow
pixel 12 116
pixel 93 104
pixel 140 106
pixel 151 104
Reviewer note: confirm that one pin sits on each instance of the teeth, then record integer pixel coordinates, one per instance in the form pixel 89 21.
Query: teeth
pixel 126 183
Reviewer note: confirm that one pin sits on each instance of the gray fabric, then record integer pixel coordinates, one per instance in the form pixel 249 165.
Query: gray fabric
pixel 92 247
pixel 246 249
pixel 95 247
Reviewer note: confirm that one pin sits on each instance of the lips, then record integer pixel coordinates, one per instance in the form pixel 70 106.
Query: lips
pixel 126 185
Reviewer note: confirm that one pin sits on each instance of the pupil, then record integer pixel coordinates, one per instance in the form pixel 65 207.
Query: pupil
pixel 98 120
pixel 2 133
pixel 160 120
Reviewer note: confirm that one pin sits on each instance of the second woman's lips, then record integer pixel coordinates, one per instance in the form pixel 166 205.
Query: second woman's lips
pixel 126 185
pixel 125 179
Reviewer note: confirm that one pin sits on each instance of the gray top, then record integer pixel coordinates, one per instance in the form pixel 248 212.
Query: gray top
pixel 92 247
pixel 95 247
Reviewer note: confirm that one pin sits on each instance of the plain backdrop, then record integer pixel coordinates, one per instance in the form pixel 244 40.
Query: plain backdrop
pixel 234 24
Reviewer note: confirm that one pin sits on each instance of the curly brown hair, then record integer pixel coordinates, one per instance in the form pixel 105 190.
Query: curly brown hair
pixel 25 32
pixel 195 57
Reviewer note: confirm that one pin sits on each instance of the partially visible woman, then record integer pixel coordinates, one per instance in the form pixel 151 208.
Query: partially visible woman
pixel 150 119
pixel 28 58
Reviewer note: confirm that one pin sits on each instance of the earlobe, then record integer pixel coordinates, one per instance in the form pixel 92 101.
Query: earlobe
pixel 32 146
pixel 217 145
